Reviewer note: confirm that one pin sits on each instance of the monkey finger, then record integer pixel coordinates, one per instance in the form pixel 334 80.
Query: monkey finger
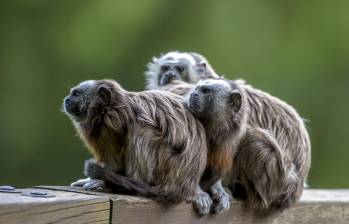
pixel 80 182
pixel 206 206
pixel 89 186
pixel 99 185
pixel 221 206
pixel 94 185
pixel 217 196
pixel 202 204
pixel 223 202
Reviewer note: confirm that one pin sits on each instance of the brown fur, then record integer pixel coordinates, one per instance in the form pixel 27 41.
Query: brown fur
pixel 277 145
pixel 224 131
pixel 220 162
pixel 220 153
pixel 149 136
pixel 177 87
pixel 272 158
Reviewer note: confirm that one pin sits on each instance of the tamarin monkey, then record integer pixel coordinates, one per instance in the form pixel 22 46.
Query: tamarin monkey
pixel 176 72
pixel 260 131
pixel 271 153
pixel 143 143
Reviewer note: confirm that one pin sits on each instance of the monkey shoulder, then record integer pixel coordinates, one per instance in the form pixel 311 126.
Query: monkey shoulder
pixel 262 102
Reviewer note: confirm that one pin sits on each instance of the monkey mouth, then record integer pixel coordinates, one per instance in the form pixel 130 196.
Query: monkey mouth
pixel 194 104
pixel 168 78
pixel 71 108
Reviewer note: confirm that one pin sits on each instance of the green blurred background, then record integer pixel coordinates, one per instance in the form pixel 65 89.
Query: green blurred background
pixel 296 50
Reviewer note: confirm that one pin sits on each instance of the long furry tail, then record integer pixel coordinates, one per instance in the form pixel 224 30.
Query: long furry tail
pixel 268 175
pixel 122 184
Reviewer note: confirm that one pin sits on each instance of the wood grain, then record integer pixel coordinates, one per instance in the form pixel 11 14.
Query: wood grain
pixel 74 205
pixel 65 207
pixel 316 206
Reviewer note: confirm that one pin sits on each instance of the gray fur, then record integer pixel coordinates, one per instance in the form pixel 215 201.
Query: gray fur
pixel 277 146
pixel 272 153
pixel 198 68
pixel 272 158
pixel 148 136
pixel 221 108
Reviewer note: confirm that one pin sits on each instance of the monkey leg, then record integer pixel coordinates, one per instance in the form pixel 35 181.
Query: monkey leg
pixel 266 172
pixel 202 202
pixel 220 197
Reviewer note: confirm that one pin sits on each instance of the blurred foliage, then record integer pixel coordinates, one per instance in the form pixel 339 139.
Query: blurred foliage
pixel 296 50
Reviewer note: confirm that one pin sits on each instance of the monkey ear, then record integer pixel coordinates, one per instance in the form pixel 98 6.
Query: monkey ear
pixel 202 68
pixel 105 93
pixel 235 100
pixel 203 64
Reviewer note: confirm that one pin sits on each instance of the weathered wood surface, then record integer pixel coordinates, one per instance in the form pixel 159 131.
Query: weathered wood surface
pixel 65 207
pixel 316 206
pixel 73 205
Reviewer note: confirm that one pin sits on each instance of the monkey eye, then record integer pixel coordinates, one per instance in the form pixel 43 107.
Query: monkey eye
pixel 165 68
pixel 179 68
pixel 75 93
pixel 205 89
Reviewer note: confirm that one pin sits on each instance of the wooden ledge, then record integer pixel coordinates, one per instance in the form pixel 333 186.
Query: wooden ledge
pixel 63 207
pixel 73 205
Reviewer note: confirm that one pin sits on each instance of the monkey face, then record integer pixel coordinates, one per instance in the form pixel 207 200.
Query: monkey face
pixel 86 96
pixel 213 97
pixel 180 66
pixel 78 100
pixel 170 71
pixel 188 67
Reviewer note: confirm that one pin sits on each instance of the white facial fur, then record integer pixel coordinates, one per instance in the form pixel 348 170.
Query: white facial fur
pixel 177 56
pixel 154 67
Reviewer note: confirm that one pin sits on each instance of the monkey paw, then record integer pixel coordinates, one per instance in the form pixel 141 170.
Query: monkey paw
pixel 94 185
pixel 222 202
pixel 80 182
pixel 89 184
pixel 202 203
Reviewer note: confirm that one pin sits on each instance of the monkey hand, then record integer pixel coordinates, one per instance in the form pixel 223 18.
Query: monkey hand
pixel 202 203
pixel 80 182
pixel 93 169
pixel 93 182
pixel 221 200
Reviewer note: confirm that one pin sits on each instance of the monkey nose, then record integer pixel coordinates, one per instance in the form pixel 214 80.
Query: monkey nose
pixel 171 75
pixel 193 94
pixel 66 100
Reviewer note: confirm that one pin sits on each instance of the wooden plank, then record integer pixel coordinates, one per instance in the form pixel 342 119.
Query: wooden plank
pixel 316 206
pixel 65 207
pixel 74 205
pixel 76 190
